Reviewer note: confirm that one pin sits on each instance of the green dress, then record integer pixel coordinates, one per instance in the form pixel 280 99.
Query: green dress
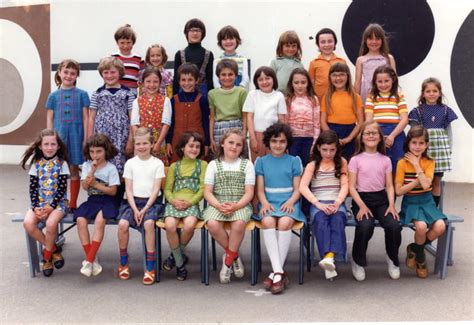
pixel 185 181
pixel 229 187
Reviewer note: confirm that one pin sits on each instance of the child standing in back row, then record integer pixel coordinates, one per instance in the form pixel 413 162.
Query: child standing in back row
pixel 387 106
pixel 157 57
pixel 226 103
pixel 318 70
pixel 288 57
pixel 125 38
pixel 68 110
pixel 436 117
pixel 228 39
pixel 373 53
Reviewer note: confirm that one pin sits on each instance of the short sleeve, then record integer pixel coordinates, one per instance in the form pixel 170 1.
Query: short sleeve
pixel 249 104
pixel 369 105
pixel 359 101
pixel 93 105
pixel 242 98
pixel 33 171
pixel 322 105
pixel 296 167
pixel 402 104
pixel 281 104
pixel 160 170
pixel 259 167
pixel 166 117
pixel 414 117
pixel 135 115
pixel 249 173
pixel 64 169
pixel 86 166
pixel 210 177
pixel 51 101
pixel 354 164
pixel 450 116
pixel 114 178
pixel 85 101
pixel 127 170
pixel 400 173
pixel 210 98
pixel 131 98
pixel 387 164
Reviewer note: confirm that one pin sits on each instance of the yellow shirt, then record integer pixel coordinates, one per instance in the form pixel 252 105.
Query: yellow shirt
pixel 319 72
pixel 341 111
pixel 406 173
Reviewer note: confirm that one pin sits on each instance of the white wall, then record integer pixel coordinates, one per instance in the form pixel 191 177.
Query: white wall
pixel 84 30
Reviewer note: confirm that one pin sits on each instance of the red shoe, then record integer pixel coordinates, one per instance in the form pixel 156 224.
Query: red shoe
pixel 279 286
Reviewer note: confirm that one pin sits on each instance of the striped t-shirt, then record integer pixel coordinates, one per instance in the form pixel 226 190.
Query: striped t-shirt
pixel 406 174
pixel 386 108
pixel 133 63
pixel 326 186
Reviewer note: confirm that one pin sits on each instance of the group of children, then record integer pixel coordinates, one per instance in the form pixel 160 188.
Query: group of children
pixel 311 133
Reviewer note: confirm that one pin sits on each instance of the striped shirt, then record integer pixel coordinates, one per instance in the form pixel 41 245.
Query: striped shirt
pixel 386 108
pixel 406 174
pixel 133 63
pixel 326 186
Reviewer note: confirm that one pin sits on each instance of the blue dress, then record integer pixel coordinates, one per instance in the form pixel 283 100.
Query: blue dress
pixel 68 106
pixel 278 174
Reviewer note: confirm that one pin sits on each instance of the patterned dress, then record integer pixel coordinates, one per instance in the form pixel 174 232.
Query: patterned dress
pixel 151 113
pixel 112 106
pixel 48 172
pixel 229 187
pixel 185 184
pixel 436 119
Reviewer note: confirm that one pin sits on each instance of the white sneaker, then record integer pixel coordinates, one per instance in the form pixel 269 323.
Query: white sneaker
pixel 330 275
pixel 238 268
pixel 224 275
pixel 86 268
pixel 393 270
pixel 358 271
pixel 327 264
pixel 96 267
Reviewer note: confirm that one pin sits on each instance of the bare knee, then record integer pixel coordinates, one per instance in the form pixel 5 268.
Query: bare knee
pixel 268 222
pixel 213 225
pixel 170 225
pixel 439 227
pixel 123 226
pixel 149 225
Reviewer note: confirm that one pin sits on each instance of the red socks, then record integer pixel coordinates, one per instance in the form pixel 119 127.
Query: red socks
pixel 87 248
pixel 230 256
pixel 47 255
pixel 92 251
pixel 75 187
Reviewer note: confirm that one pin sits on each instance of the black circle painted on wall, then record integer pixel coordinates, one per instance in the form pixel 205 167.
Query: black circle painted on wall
pixel 462 69
pixel 408 23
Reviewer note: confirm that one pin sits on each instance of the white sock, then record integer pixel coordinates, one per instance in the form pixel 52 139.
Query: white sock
pixel 284 242
pixel 271 243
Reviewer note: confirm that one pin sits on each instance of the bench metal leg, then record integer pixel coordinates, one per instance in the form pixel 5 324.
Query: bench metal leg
pixel 307 244
pixel 33 258
pixel 158 253
pixel 442 252
pixel 259 251
pixel 450 253
pixel 301 256
pixel 142 233
pixel 202 256
pixel 253 257
pixel 214 259
pixel 206 257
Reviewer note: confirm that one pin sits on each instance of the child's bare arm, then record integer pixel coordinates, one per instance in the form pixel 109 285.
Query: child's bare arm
pixel 49 118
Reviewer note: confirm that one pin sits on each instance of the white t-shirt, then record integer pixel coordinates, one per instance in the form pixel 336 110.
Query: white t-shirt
pixel 143 174
pixel 211 171
pixel 107 175
pixel 265 106
pixel 165 118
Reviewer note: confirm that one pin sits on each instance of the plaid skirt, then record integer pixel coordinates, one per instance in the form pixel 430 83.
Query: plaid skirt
pixel 221 127
pixel 439 150
pixel 211 213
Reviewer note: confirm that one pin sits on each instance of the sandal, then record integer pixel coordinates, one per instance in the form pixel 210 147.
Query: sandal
pixel 58 259
pixel 124 272
pixel 48 268
pixel 149 277
pixel 410 260
pixel 422 270
pixel 169 263
pixel 181 273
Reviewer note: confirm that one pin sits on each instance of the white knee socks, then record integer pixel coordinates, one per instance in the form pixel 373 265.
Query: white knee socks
pixel 284 242
pixel 271 243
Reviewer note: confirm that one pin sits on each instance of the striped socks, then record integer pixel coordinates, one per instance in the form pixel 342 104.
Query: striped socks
pixel 123 257
pixel 150 261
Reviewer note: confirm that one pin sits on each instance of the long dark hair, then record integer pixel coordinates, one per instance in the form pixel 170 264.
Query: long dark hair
pixel 327 137
pixel 374 92
pixel 34 152
pixel 290 90
pixel 416 132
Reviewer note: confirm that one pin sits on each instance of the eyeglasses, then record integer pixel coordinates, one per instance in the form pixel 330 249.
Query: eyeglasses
pixel 370 133
pixel 339 75
pixel 195 30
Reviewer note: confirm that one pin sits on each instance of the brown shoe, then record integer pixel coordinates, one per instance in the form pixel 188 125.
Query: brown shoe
pixel 410 260
pixel 279 286
pixel 421 270
pixel 48 268
pixel 267 283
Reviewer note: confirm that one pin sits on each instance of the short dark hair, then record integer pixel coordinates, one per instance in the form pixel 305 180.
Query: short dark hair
pixel 195 23
pixel 188 68
pixel 326 31
pixel 103 141
pixel 149 70
pixel 268 72
pixel 228 32
pixel 185 137
pixel 227 64
pixel 275 130
pixel 125 32
pixel 416 132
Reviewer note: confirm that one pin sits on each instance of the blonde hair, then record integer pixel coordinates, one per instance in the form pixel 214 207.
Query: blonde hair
pixel 143 131
pixel 220 150
pixel 289 37
pixel 111 62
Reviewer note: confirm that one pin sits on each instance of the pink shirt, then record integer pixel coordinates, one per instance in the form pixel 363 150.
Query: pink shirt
pixel 371 169
pixel 303 117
